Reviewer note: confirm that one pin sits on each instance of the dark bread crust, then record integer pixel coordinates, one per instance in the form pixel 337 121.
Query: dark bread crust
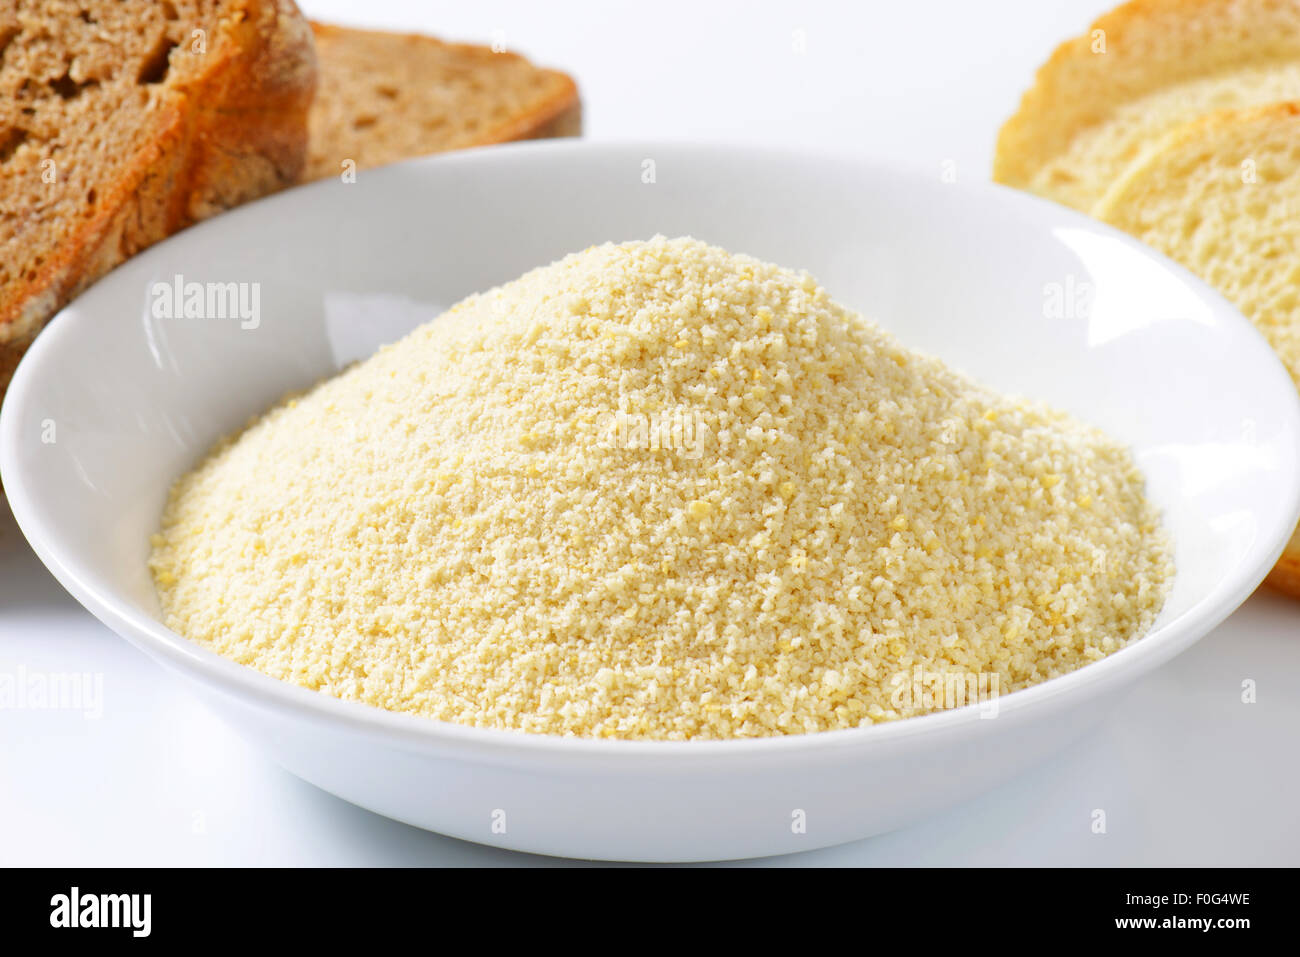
pixel 236 131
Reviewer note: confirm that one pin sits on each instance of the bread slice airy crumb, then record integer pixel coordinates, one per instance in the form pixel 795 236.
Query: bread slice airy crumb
pixel 1141 70
pixel 385 97
pixel 1221 195
pixel 122 121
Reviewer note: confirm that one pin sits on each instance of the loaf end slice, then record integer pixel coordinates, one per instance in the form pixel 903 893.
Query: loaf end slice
pixel 385 97
pixel 123 122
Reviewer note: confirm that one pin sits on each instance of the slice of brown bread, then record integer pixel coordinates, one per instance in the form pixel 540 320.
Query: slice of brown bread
pixel 122 121
pixel 384 97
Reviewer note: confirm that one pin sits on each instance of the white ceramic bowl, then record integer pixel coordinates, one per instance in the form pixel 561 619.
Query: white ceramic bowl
pixel 112 404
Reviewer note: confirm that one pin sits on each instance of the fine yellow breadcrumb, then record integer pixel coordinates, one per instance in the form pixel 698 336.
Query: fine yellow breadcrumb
pixel 460 527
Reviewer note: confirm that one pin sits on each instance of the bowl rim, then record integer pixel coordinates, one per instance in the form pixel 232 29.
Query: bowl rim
pixel 418 733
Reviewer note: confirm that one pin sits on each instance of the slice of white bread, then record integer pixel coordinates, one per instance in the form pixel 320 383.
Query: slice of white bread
pixel 1141 70
pixel 122 121
pixel 390 96
pixel 1221 195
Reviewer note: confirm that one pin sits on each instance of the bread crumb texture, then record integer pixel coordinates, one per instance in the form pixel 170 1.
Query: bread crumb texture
pixel 1099 154
pixel 452 528
pixel 1222 197
pixel 1141 70
pixel 385 97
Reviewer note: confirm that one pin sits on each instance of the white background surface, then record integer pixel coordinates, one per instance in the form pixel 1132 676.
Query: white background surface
pixel 1186 772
